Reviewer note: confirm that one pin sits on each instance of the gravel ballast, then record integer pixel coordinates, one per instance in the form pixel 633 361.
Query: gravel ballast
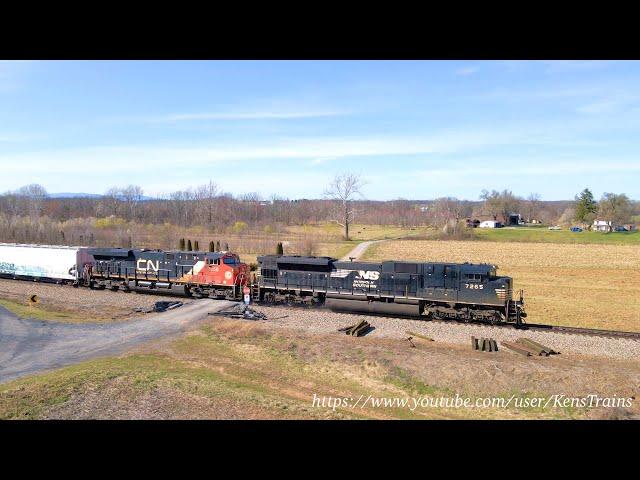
pixel 316 320
pixel 83 302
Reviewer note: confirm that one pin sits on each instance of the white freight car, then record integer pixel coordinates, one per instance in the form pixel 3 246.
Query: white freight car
pixel 39 261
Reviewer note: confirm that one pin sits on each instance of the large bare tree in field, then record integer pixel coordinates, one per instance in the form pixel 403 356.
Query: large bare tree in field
pixel 344 188
pixel 34 196
pixel 533 205
pixel 205 196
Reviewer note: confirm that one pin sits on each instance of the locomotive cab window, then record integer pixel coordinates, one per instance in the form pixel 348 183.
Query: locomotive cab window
pixel 269 273
pixel 229 261
pixel 474 277
pixel 450 272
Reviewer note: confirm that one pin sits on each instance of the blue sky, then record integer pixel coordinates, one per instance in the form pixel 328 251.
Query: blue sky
pixel 413 129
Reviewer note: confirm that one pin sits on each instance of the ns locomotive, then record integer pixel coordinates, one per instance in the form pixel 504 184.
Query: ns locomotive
pixel 432 290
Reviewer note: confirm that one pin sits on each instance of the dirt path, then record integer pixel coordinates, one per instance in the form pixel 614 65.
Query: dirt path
pixel 30 346
pixel 359 250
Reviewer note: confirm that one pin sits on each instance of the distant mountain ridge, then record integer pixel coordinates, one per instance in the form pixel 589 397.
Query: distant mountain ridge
pixel 73 195
pixel 84 195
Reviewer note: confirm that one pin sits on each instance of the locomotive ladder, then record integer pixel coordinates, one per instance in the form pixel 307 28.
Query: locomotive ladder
pixel 255 290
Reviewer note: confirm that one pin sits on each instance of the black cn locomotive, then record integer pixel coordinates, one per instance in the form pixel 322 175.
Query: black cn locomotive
pixel 460 291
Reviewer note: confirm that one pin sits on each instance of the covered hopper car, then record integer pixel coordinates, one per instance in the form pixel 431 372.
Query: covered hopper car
pixel 49 263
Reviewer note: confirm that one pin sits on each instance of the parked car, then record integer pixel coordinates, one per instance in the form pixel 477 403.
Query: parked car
pixel 620 229
pixel 576 229
pixel 555 227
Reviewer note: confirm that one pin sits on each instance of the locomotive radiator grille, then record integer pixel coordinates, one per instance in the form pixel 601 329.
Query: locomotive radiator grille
pixel 504 293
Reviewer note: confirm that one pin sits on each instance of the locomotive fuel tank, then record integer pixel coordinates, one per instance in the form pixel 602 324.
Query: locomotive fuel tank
pixel 364 306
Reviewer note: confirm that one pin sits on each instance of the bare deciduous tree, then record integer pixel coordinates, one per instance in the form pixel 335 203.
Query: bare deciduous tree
pixel 500 203
pixel 616 208
pixel 343 189
pixel 532 205
pixel 205 196
pixel 132 196
pixel 446 213
pixel 34 196
pixel 110 202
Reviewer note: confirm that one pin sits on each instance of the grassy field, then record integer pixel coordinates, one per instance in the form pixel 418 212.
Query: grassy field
pixel 595 286
pixel 234 369
pixel 358 232
pixel 330 242
pixel 544 235
pixel 37 312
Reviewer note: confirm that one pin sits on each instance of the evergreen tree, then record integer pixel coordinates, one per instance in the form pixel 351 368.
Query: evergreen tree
pixel 279 249
pixel 212 246
pixel 226 247
pixel 189 247
pixel 217 245
pixel 182 244
pixel 586 207
pixel 196 246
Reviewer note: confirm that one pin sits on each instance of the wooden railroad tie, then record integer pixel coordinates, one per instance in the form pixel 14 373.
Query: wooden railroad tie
pixel 527 347
pixel 357 330
pixel 484 344
pixel 417 337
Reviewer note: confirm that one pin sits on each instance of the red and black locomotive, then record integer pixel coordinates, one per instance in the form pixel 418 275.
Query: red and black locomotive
pixel 200 274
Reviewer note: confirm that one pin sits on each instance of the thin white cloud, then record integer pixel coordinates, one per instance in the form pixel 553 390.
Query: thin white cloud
pixel 322 160
pixel 541 167
pixel 11 72
pixel 16 137
pixel 246 115
pixel 469 70
pixel 542 94
pixel 558 66
pixel 601 107
pixel 139 158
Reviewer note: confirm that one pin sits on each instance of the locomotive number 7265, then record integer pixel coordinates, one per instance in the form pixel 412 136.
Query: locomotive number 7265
pixel 474 286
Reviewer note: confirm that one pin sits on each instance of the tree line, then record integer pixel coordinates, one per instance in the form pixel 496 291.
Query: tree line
pixel 29 214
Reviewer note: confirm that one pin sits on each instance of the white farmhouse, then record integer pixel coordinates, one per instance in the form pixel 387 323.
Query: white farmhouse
pixel 602 226
pixel 490 224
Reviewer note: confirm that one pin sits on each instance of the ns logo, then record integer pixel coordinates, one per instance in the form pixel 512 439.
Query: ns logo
pixel 147 265
pixel 368 275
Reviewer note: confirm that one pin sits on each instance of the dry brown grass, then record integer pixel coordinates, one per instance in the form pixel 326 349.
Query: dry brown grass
pixel 595 286
pixel 232 369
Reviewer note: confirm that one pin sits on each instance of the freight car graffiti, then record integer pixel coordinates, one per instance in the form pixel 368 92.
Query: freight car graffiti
pixel 30 271
pixel 6 267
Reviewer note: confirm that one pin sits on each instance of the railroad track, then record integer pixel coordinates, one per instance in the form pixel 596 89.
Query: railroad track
pixel 584 331
pixel 527 326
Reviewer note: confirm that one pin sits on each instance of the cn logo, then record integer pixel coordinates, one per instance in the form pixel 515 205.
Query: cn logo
pixel 369 275
pixel 147 265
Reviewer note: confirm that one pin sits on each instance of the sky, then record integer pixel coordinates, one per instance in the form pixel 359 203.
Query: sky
pixel 411 129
